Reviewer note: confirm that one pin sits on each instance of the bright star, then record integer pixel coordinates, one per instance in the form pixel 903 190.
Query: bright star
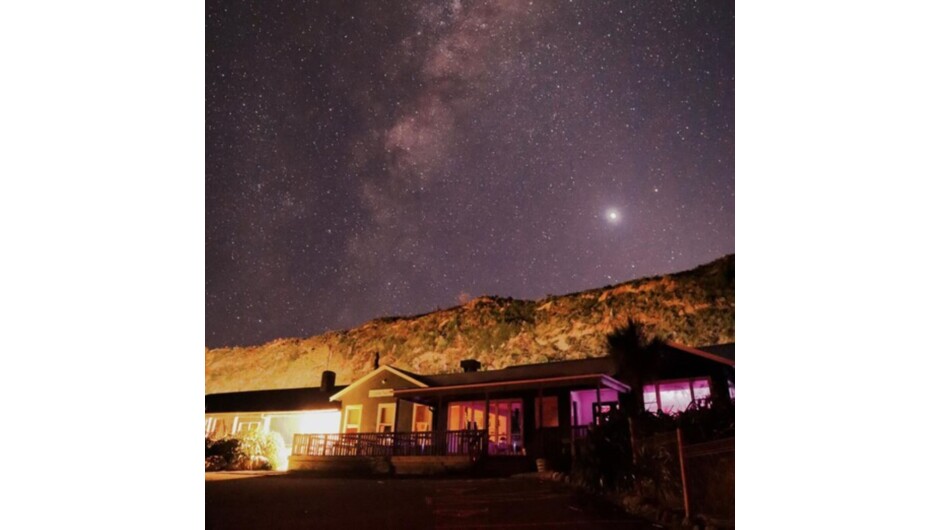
pixel 612 215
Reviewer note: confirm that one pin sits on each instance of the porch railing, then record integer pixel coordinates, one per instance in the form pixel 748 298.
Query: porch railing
pixel 579 432
pixel 471 443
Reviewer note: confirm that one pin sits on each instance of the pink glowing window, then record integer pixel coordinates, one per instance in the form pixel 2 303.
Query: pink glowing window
pixel 650 399
pixel 673 397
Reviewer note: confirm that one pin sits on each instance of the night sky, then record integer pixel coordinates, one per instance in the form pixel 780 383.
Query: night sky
pixel 367 159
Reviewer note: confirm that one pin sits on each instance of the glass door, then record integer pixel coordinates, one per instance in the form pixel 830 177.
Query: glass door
pixel 504 419
pixel 505 432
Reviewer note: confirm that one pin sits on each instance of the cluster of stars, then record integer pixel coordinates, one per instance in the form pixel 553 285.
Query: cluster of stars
pixel 366 159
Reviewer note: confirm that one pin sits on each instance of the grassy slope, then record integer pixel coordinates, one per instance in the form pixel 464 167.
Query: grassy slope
pixel 693 307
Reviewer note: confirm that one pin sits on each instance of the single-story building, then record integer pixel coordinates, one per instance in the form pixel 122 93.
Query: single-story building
pixel 520 412
pixel 530 411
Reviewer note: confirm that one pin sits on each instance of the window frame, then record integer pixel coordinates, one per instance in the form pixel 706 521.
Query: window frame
pixel 378 417
pixel 346 424
pixel 256 425
pixel 659 404
pixel 414 418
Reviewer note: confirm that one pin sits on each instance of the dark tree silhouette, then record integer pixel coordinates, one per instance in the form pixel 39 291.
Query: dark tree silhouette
pixel 636 354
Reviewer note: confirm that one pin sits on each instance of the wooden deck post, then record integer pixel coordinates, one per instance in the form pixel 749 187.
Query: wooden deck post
pixel 541 425
pixel 395 416
pixel 439 425
pixel 597 404
pixel 439 416
pixel 395 440
pixel 633 441
pixel 685 485
pixel 486 424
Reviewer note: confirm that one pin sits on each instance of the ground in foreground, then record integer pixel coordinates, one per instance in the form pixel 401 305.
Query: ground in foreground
pixel 304 501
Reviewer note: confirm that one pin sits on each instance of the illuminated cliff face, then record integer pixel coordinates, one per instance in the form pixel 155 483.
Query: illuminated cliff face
pixel 694 308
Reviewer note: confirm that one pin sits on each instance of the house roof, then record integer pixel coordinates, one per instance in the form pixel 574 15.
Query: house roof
pixel 407 376
pixel 594 365
pixel 721 350
pixel 599 380
pixel 704 352
pixel 283 400
pixel 591 371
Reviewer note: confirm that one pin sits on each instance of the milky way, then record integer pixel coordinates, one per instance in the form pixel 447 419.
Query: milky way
pixel 367 159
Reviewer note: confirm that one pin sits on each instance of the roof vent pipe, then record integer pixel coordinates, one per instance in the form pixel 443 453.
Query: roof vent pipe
pixel 470 365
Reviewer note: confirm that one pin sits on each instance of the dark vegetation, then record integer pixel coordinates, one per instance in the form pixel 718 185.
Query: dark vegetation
pixel 245 451
pixel 608 460
pixel 637 453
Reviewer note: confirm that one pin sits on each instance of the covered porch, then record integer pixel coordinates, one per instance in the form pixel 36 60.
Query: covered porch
pixel 526 418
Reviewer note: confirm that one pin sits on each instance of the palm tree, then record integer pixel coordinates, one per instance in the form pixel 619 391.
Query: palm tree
pixel 635 354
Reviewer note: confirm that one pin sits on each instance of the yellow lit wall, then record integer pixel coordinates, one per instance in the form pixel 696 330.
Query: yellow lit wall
pixel 319 422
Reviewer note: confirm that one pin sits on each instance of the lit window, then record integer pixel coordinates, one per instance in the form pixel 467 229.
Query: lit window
pixel 422 418
pixel 673 397
pixel 353 417
pixel 453 417
pixel 386 418
pixel 249 426
pixel 466 415
pixel 701 391
pixel 650 399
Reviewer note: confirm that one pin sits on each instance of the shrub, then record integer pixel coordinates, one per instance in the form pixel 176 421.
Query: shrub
pixel 262 450
pixel 251 450
pixel 223 454
pixel 215 463
pixel 656 474
pixel 605 459
pixel 709 422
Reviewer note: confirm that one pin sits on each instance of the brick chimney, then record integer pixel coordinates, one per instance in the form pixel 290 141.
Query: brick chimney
pixel 327 381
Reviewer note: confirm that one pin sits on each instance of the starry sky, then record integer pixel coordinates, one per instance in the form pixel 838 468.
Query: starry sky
pixel 368 159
